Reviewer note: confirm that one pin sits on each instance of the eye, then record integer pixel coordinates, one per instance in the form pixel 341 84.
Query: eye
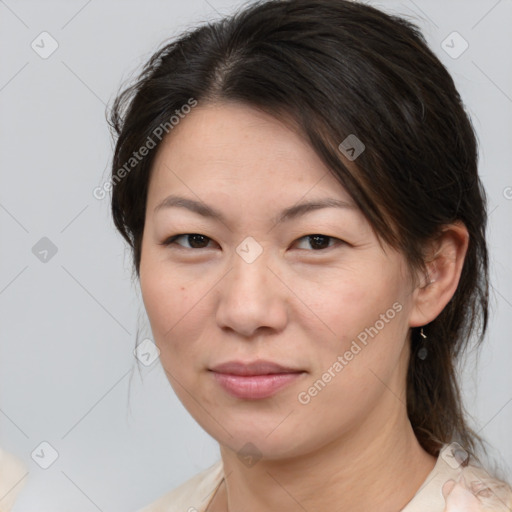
pixel 195 241
pixel 319 242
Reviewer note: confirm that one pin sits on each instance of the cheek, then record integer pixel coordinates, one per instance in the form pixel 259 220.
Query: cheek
pixel 177 308
pixel 166 298
pixel 161 299
pixel 355 305
pixel 367 326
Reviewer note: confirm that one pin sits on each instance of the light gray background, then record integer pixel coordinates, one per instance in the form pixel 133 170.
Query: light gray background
pixel 68 326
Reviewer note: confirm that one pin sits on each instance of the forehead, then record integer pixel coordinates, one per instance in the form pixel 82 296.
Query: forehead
pixel 234 144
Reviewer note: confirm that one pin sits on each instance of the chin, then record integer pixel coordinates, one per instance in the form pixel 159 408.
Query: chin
pixel 269 443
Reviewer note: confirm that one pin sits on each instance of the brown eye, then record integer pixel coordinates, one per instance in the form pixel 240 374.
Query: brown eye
pixel 194 240
pixel 318 242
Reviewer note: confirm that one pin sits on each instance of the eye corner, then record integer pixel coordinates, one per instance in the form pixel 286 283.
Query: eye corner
pixel 172 241
pixel 168 241
pixel 337 242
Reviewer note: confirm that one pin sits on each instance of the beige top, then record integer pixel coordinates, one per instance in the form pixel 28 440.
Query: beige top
pixel 472 489
pixel 12 479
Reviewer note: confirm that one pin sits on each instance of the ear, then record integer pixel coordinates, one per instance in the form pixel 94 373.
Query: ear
pixel 444 263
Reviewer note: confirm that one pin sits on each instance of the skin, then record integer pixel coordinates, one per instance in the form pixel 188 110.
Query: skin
pixel 352 446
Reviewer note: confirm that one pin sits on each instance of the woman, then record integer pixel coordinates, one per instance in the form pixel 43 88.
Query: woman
pixel 299 186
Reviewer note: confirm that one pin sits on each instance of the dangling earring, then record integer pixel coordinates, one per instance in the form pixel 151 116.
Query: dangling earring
pixel 423 351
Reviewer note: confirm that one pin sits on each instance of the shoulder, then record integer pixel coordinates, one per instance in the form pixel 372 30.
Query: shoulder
pixel 458 483
pixel 469 486
pixel 12 474
pixel 192 495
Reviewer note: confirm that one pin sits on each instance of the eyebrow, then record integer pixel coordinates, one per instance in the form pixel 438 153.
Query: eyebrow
pixel 287 214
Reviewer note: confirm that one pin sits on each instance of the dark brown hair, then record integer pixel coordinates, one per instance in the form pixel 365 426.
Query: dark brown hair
pixel 336 68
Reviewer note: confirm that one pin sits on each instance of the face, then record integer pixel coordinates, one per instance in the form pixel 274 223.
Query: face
pixel 309 289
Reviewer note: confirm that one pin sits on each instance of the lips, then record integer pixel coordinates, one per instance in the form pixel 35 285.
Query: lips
pixel 254 380
pixel 259 367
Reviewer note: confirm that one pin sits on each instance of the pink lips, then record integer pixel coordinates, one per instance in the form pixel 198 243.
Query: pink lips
pixel 255 380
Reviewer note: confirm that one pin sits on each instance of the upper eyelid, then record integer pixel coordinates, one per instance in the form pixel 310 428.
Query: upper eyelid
pixel 173 238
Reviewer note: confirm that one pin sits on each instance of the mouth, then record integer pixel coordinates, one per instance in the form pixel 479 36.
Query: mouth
pixel 254 380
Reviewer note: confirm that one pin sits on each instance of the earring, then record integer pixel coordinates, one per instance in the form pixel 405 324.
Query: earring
pixel 423 351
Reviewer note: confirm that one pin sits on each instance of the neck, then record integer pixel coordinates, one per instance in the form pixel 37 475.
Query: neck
pixel 372 468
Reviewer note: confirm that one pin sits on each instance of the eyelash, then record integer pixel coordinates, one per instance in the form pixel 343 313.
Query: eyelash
pixel 172 241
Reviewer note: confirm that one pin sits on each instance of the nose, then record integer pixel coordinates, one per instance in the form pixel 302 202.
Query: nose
pixel 252 298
